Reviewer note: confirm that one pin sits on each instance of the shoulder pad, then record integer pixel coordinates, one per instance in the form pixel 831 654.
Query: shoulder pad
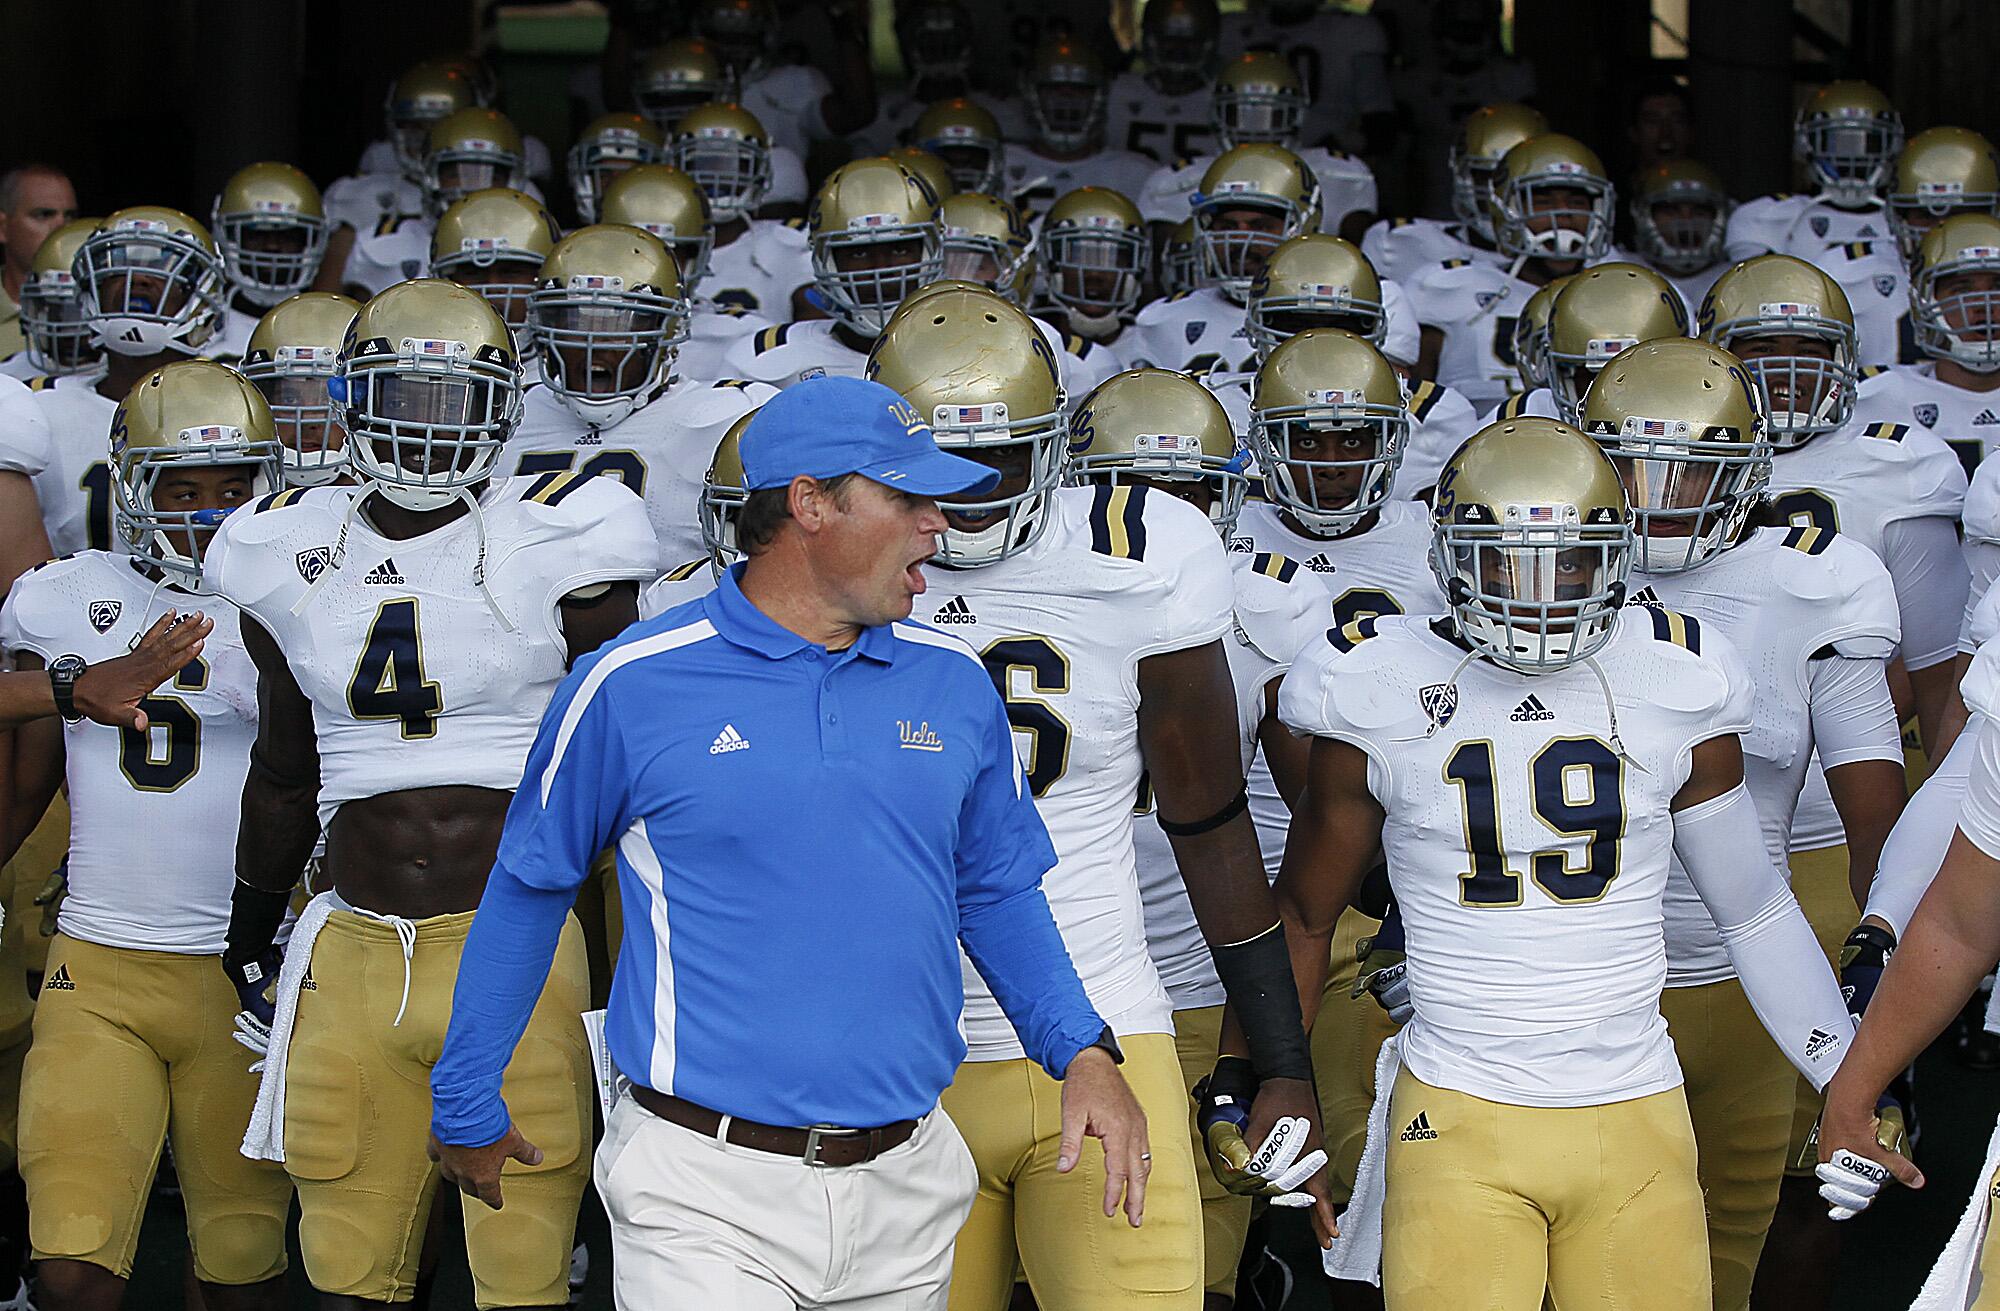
pixel 279 500
pixel 387 224
pixel 1278 609
pixel 1808 538
pixel 1077 346
pixel 42 383
pixel 1424 398
pixel 1118 520
pixel 555 486
pixel 1395 223
pixel 1889 432
pixel 1511 407
pixel 1675 627
pixel 1181 162
pixel 1456 263
pixel 37 568
pixel 680 573
pixel 728 311
pixel 771 338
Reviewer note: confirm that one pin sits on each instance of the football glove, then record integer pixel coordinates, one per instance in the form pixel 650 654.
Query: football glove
pixel 1863 957
pixel 1280 1164
pixel 1848 1181
pixel 1384 972
pixel 256 983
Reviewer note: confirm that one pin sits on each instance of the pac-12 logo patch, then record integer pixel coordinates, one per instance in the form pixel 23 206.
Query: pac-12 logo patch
pixel 1440 702
pixel 103 614
pixel 1926 414
pixel 313 563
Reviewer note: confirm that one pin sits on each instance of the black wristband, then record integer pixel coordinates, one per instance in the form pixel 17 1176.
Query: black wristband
pixel 1257 975
pixel 1871 939
pixel 254 916
pixel 1237 805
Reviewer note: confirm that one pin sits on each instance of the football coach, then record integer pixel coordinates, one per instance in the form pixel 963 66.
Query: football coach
pixel 814 802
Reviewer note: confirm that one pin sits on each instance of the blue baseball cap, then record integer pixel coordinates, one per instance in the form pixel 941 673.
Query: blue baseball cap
pixel 824 427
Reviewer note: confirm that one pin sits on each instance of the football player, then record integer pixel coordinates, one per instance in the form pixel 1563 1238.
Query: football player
pixel 1847 136
pixel 1679 215
pixel 1258 98
pixel 611 145
pixel 491 242
pixel 1095 253
pixel 407 633
pixel 378 196
pixel 52 319
pixel 1065 93
pixel 1162 113
pixel 35 200
pixel 1102 613
pixel 1162 431
pixel 965 135
pixel 935 39
pixel 1813 614
pixel 683 74
pixel 271 228
pixel 797 103
pixel 425 93
pixel 1401 247
pixel 133 1004
pixel 755 264
pixel 291 356
pixel 875 238
pixel 1595 315
pixel 1343 57
pixel 1530 786
pixel 607 317
pixel 1551 210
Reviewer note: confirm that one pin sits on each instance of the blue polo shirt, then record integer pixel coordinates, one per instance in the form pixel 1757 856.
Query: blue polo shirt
pixel 804 837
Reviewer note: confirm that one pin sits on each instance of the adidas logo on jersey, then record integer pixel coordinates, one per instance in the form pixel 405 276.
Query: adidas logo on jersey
pixel 308 984
pixel 1532 711
pixel 1985 417
pixel 955 611
pixel 1319 564
pixel 728 740
pixel 59 981
pixel 1819 1040
pixel 1419 1130
pixel 590 437
pixel 385 573
pixel 1646 596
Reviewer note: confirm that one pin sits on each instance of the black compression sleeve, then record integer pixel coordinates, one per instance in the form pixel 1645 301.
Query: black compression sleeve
pixel 1257 975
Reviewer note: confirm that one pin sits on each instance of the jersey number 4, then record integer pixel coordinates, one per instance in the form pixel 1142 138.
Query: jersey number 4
pixel 389 680
pixel 1577 786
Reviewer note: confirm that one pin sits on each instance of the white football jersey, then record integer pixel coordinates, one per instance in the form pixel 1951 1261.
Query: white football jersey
pixel 1202 332
pixel 1346 184
pixel 395 250
pixel 687 581
pixel 1981 525
pixel 74 490
pixel 792 352
pixel 713 332
pixel 1968 421
pixel 362 201
pixel 1278 612
pixel 1782 597
pixel 661 451
pixel 1800 226
pixel 1878 291
pixel 25 443
pixel 1384 571
pixel 1117 575
pixel 232 336
pixel 1401 248
pixel 786 99
pixel 414 680
pixel 1528 856
pixel 181 780
pixel 1474 304
pixel 1141 118
pixel 759 270
pixel 1034 181
pixel 19 367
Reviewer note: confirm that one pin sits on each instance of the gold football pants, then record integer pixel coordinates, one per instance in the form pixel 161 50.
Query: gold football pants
pixel 1225 1217
pixel 1347 1036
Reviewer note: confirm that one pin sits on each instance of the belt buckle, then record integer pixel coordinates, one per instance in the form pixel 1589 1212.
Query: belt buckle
pixel 821 1131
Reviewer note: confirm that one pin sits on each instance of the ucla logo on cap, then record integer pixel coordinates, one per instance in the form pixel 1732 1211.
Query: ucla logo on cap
pixel 906 414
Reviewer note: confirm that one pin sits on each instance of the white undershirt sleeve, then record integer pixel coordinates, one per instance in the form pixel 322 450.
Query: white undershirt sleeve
pixel 1928 568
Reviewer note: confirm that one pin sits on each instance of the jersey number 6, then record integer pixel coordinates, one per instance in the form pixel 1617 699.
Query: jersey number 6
pixel 1577 785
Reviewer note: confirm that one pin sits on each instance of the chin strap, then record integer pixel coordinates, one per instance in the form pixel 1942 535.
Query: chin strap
pixel 339 556
pixel 1611 709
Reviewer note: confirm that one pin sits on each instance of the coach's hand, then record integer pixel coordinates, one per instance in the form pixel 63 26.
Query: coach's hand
pixel 476 1170
pixel 110 693
pixel 1098 1103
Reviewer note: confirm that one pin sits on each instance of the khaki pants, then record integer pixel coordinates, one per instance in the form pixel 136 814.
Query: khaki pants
pixel 1347 1036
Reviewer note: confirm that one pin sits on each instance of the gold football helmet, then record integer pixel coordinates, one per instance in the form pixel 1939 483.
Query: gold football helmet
pixel 875 237
pixel 1941 172
pixel 1094 250
pixel 986 240
pixel 190 413
pixel 1955 292
pixel 1179 39
pixel 979 371
pixel 1792 327
pixel 472 150
pixel 53 322
pixel 1314 281
pixel 662 200
pixel 927 169
pixel 429 390
pixel 272 231
pixel 1245 194
pixel 424 94
pixel 493 241
pixel 151 282
pixel 293 350
pixel 677 77
pixel 1848 135
pixel 611 145
pixel 1257 97
pixel 1679 419
pixel 1485 137
pixel 1536 194
pixel 935 38
pixel 723 494
pixel 1065 91
pixel 967 138
pixel 1180 263
pixel 1329 424
pixel 1531 541
pixel 740 30
pixel 1600 312
pixel 1531 334
pixel 608 315
pixel 1680 214
pixel 1157 426
pixel 725 149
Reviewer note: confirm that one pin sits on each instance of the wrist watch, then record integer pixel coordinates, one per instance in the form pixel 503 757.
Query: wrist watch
pixel 1107 1042
pixel 63 673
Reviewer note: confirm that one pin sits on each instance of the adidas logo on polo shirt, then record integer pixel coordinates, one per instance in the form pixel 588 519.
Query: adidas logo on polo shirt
pixel 1420 1129
pixel 955 611
pixel 1531 711
pixel 728 740
pixel 385 573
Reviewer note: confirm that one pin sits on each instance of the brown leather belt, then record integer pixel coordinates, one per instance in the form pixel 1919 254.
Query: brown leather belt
pixel 817 1146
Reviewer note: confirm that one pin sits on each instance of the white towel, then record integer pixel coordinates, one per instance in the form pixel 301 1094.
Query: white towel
pixel 1949 1287
pixel 1992 1007
pixel 1357 1252
pixel 264 1140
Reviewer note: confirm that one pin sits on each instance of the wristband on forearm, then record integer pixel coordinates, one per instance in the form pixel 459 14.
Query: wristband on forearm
pixel 254 916
pixel 1257 975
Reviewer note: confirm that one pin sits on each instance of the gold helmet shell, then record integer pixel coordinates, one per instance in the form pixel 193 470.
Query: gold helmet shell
pixel 1531 334
pixel 724 492
pixel 495 229
pixel 471 150
pixel 1958 322
pixel 270 198
pixel 1483 139
pixel 726 150
pixel 293 350
pixel 1095 250
pixel 611 144
pixel 1690 236
pixel 980 372
pixel 192 412
pixel 1257 97
pixel 1180 264
pixel 663 200
pixel 422 95
pixel 608 314
pixel 1601 311
pixel 1779 296
pixel 1154 425
pixel 1065 91
pixel 967 138
pixel 1681 421
pixel 927 168
pixel 1179 39
pixel 1942 171
pixel 676 77
pixel 1556 164
pixel 1257 177
pixel 151 281
pixel 870 202
pixel 1314 281
pixel 983 233
pixel 1329 425
pixel 1523 509
pixel 1848 136
pixel 53 327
